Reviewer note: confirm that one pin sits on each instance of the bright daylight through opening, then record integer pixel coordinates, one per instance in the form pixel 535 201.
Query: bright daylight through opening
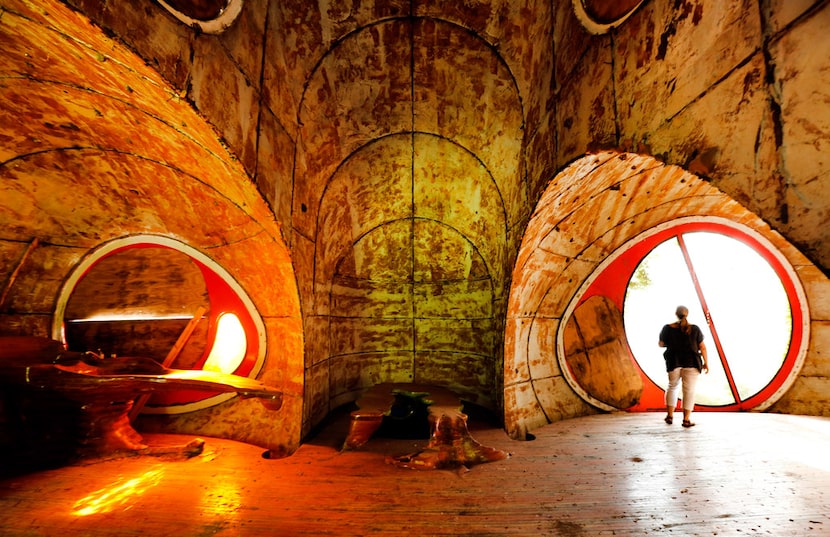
pixel 733 294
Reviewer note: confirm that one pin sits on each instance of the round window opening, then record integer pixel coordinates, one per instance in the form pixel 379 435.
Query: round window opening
pixel 153 297
pixel 739 290
pixel 209 16
pixel 599 16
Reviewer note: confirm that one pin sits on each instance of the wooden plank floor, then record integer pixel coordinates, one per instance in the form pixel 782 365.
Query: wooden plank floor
pixel 618 474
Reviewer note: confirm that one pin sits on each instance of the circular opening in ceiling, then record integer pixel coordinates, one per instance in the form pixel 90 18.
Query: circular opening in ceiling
pixel 739 289
pixel 599 16
pixel 209 16
pixel 158 298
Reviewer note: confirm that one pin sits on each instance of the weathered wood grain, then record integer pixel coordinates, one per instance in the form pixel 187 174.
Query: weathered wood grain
pixel 612 474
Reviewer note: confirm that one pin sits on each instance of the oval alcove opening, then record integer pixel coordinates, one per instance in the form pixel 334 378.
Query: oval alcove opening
pixel 160 299
pixel 600 16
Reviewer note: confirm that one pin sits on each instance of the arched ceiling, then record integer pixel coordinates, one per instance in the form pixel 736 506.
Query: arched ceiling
pixel 94 118
pixel 401 144
pixel 409 183
pixel 408 126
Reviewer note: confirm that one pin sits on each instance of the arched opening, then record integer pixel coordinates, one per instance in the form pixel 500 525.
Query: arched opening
pixel 739 290
pixel 229 345
pixel 599 16
pixel 586 238
pixel 209 16
pixel 158 298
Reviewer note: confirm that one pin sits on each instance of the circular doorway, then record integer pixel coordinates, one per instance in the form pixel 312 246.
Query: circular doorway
pixel 739 289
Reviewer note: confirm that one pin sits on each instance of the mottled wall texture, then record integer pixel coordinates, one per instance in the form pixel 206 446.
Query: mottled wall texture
pixel 96 147
pixel 443 175
pixel 733 96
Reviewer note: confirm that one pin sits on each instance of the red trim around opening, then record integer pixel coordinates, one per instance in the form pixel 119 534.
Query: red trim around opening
pixel 223 299
pixel 612 283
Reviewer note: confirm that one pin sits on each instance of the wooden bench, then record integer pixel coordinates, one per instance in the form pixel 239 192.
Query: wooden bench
pixel 91 397
pixel 450 443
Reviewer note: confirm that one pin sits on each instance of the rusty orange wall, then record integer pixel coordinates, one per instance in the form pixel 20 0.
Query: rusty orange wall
pixel 404 144
pixel 96 146
pixel 594 207
pixel 733 91
pixel 726 91
pixel 391 139
pixel 394 141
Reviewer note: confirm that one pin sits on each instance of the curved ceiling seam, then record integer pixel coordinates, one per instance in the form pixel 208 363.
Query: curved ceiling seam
pixel 495 50
pixel 189 244
pixel 570 259
pixel 338 42
pixel 410 18
pixel 237 241
pixel 531 380
pixel 340 165
pixel 390 352
pixel 145 112
pixel 88 46
pixel 199 248
pixel 552 185
pixel 595 194
pixel 542 408
pixel 300 124
pixel 472 244
pixel 342 277
pixel 475 248
pixel 373 141
pixel 163 164
pixel 99 149
pixel 332 47
pixel 83 250
pixel 484 167
pixel 539 212
pixel 627 220
pixel 637 171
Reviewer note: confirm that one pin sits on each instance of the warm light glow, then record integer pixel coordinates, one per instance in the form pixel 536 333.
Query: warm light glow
pixel 108 318
pixel 222 497
pixel 229 346
pixel 120 494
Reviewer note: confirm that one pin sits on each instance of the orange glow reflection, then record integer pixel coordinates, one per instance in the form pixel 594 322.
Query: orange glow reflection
pixel 120 494
pixel 222 497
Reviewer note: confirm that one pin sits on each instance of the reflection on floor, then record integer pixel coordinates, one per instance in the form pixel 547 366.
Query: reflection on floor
pixel 616 474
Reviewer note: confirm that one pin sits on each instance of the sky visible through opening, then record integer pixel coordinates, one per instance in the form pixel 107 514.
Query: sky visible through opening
pixel 748 304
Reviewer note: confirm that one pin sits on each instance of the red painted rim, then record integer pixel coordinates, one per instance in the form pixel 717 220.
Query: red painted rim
pixel 223 299
pixel 613 281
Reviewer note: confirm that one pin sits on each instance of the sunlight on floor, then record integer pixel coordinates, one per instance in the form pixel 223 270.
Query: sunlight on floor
pixel 121 495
